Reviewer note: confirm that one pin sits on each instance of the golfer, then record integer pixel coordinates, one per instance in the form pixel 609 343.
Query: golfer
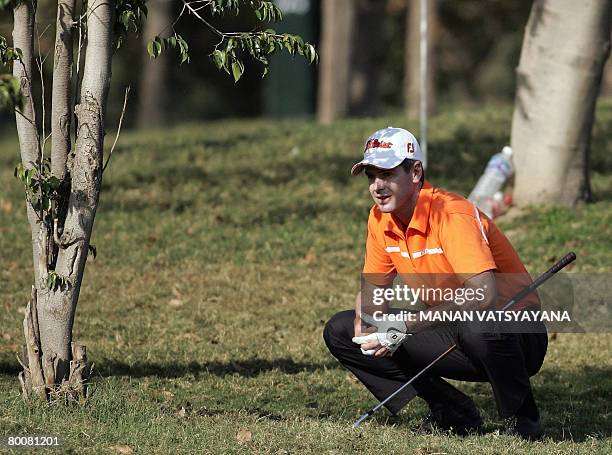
pixel 436 239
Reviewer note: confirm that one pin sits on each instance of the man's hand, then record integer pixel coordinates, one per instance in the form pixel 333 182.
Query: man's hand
pixel 389 336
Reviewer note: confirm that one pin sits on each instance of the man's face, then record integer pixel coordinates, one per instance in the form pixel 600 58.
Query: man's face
pixel 393 190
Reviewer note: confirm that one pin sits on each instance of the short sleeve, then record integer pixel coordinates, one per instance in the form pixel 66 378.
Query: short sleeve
pixel 378 267
pixel 464 242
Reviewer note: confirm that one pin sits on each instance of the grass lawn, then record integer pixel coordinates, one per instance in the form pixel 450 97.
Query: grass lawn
pixel 222 250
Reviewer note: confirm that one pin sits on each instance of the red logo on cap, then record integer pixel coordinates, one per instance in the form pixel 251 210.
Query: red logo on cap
pixel 410 147
pixel 375 143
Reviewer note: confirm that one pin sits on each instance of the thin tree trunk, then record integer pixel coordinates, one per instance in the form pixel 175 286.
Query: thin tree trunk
pixel 336 36
pixel 61 109
pixel 151 93
pixel 412 59
pixel 27 125
pixel 56 308
pixel 565 46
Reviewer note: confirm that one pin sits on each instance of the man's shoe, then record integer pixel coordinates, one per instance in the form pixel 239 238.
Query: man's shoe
pixel 430 423
pixel 449 408
pixel 461 420
pixel 524 427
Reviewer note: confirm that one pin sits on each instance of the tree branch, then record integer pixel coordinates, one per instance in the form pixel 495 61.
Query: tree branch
pixel 125 100
pixel 196 14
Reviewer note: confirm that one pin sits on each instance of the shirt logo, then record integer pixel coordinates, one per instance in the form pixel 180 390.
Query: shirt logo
pixel 418 254
pixel 375 143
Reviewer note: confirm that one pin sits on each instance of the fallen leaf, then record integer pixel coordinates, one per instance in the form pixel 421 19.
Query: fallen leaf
pixel 175 302
pixel 244 436
pixel 6 206
pixel 6 336
pixel 167 394
pixel 183 410
pixel 122 448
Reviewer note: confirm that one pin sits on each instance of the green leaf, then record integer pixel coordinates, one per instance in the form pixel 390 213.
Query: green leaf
pixel 312 52
pixel 46 204
pixel 35 201
pixel 237 70
pixel 54 183
pixel 219 58
pixel 288 46
pixel 157 47
pixel 150 49
pixel 51 280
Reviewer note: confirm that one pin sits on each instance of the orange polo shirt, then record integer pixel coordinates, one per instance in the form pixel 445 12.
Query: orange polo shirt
pixel 447 241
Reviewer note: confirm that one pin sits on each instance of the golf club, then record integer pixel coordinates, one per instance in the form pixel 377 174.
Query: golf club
pixel 567 259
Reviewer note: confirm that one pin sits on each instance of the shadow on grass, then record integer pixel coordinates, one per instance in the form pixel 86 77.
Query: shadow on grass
pixel 9 368
pixel 245 368
pixel 574 405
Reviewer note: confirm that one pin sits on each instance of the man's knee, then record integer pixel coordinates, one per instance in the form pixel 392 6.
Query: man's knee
pixel 485 345
pixel 339 329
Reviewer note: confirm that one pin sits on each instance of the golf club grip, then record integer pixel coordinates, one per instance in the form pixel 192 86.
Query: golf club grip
pixel 560 264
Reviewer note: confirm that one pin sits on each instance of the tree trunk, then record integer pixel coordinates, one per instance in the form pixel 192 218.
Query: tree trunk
pixel 365 67
pixel 56 308
pixel 412 57
pixel 52 358
pixel 27 126
pixel 152 87
pixel 565 46
pixel 336 37
pixel 61 108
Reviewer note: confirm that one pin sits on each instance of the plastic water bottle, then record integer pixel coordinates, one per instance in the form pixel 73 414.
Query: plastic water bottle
pixel 498 170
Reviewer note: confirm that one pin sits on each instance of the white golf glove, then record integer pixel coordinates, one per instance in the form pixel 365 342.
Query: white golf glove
pixel 390 334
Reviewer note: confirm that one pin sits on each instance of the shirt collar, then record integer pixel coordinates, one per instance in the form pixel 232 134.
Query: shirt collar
pixel 420 217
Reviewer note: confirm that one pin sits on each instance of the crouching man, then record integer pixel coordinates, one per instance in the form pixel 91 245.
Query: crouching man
pixel 422 232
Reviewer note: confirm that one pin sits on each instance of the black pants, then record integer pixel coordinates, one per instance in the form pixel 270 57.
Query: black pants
pixel 506 360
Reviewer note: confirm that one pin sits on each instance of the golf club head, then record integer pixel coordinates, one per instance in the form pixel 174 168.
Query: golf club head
pixel 361 419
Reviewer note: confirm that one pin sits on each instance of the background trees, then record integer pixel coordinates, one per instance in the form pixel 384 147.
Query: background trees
pixel 565 48
pixel 477 47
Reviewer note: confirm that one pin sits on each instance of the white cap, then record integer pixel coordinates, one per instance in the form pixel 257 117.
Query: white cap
pixel 387 148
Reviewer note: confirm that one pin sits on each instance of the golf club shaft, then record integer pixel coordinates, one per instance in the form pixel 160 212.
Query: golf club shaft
pixel 567 259
pixel 414 378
